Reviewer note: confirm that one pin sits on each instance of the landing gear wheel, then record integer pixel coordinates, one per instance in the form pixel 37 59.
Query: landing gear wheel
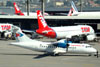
pixel 55 54
pixel 89 55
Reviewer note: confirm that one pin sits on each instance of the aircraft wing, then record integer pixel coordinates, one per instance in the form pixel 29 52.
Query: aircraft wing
pixel 70 36
pixel 15 43
pixel 28 31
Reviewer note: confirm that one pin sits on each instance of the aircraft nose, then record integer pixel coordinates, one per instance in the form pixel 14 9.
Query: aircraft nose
pixel 93 50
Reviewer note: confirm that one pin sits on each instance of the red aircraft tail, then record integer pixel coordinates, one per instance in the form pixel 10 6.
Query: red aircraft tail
pixel 17 10
pixel 44 29
pixel 41 21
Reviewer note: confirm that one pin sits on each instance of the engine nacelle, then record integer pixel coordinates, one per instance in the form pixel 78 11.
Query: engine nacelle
pixel 91 37
pixel 62 43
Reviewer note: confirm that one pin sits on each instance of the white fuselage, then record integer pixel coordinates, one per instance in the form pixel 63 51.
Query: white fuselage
pixel 4 27
pixel 86 14
pixel 34 14
pixel 30 13
pixel 48 47
pixel 63 32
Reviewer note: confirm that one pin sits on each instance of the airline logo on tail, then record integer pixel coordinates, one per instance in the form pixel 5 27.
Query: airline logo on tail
pixel 44 29
pixel 41 19
pixel 19 35
pixel 17 10
pixel 16 7
pixel 74 7
pixel 73 11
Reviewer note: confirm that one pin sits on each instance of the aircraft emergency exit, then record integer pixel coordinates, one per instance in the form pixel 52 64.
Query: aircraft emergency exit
pixel 58 47
pixel 64 31
pixel 19 12
pixel 74 12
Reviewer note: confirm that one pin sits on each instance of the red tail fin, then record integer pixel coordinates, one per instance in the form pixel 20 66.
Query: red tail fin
pixel 41 21
pixel 43 27
pixel 17 10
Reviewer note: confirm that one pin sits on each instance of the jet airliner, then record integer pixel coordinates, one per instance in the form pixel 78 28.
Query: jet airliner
pixel 19 12
pixel 74 12
pixel 78 31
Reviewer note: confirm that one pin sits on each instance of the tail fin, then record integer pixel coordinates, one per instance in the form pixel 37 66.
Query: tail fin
pixel 17 10
pixel 19 35
pixel 70 12
pixel 75 10
pixel 41 21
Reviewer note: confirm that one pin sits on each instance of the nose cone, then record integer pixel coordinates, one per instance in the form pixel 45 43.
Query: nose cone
pixel 93 50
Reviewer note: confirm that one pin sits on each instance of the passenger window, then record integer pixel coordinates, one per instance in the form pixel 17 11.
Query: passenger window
pixel 88 46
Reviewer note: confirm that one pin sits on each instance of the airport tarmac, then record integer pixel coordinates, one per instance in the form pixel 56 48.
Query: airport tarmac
pixel 12 56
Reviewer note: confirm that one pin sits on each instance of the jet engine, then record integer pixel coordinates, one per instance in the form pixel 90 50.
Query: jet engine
pixel 63 45
pixel 91 37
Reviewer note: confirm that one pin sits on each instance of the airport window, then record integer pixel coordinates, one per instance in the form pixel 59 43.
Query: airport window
pixel 50 46
pixel 53 47
pixel 72 47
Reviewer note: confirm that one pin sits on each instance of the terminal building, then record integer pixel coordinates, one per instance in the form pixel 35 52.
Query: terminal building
pixel 31 23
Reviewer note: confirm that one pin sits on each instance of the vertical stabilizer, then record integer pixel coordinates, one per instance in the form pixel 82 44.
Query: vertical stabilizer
pixel 44 29
pixel 19 35
pixel 41 21
pixel 75 10
pixel 17 10
pixel 70 12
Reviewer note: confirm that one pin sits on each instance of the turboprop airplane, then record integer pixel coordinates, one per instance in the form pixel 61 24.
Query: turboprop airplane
pixel 58 47
pixel 74 12
pixel 19 12
pixel 73 32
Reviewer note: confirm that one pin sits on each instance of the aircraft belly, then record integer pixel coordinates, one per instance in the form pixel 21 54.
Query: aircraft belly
pixel 59 50
pixel 75 49
pixel 56 50
pixel 50 50
pixel 70 33
pixel 61 34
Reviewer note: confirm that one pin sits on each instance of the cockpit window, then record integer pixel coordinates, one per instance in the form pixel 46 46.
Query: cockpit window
pixel 88 46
